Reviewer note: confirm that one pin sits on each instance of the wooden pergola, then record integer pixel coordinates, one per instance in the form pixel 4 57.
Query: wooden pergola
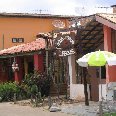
pixel 89 36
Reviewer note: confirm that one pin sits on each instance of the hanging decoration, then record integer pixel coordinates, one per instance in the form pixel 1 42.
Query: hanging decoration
pixel 15 66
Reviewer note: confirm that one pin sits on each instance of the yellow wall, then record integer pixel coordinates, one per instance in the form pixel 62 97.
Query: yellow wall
pixel 20 27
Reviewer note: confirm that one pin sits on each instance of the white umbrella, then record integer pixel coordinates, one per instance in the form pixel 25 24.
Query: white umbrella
pixel 98 58
pixel 112 61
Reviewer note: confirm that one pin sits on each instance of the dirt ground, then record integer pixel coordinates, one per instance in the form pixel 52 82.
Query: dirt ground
pixel 9 109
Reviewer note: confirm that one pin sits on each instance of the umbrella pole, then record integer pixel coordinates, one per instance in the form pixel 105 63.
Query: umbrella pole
pixel 100 102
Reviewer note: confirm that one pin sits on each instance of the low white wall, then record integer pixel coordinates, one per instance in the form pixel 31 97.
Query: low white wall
pixel 111 86
pixel 103 91
pixel 77 91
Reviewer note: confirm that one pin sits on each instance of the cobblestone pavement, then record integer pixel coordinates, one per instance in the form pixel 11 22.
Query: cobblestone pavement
pixel 79 109
pixel 8 109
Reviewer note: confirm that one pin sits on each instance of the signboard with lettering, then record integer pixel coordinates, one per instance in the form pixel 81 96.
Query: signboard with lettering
pixel 63 44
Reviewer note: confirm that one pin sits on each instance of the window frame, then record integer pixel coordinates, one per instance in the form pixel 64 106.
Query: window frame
pixel 17 40
pixel 14 40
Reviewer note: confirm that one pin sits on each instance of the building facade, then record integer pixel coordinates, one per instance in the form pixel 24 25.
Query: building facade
pixel 17 28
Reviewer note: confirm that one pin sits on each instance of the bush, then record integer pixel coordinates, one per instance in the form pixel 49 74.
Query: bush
pixel 34 83
pixel 7 91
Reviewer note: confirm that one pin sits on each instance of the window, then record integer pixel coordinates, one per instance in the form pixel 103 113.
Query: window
pixel 103 72
pixel 20 40
pixel 14 40
pixel 17 40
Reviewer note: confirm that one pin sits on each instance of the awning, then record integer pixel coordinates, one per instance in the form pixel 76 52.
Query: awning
pixel 90 36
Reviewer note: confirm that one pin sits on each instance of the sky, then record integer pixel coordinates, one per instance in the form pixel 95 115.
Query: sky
pixel 58 7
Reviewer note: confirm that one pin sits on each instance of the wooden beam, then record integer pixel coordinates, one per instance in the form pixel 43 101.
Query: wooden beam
pixel 94 46
pixel 98 44
pixel 98 41
pixel 92 37
pixel 90 31
pixel 94 30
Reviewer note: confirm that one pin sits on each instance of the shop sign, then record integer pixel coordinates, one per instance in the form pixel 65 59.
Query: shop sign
pixel 64 45
pixel 67 52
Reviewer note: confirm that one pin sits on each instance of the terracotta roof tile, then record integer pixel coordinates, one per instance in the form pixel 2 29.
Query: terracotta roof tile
pixel 107 16
pixel 32 46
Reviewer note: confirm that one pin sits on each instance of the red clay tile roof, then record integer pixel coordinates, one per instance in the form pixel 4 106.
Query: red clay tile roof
pixel 24 48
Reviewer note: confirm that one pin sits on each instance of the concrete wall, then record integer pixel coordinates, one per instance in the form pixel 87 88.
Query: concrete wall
pixel 77 91
pixel 103 92
pixel 107 91
pixel 111 86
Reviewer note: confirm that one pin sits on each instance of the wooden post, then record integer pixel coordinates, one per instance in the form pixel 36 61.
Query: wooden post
pixel 85 86
pixel 100 102
pixel 46 40
pixel 83 69
pixel 14 98
pixel 25 65
pixel 49 102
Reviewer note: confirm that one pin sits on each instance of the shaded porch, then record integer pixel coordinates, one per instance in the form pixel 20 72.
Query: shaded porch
pixel 92 36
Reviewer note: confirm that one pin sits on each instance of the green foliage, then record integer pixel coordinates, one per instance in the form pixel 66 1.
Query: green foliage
pixel 35 86
pixel 34 89
pixel 109 114
pixel 34 83
pixel 7 91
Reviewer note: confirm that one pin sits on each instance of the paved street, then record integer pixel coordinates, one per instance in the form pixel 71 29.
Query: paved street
pixel 79 109
pixel 8 109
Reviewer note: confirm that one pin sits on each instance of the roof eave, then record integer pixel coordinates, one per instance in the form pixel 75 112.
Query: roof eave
pixel 27 15
pixel 105 22
pixel 21 54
